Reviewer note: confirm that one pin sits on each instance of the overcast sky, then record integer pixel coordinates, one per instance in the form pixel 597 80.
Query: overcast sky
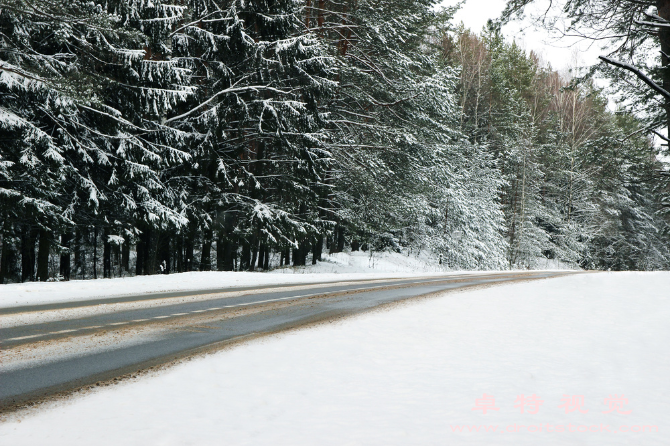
pixel 560 53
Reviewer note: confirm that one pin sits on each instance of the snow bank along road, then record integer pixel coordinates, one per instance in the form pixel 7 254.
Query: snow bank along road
pixel 53 348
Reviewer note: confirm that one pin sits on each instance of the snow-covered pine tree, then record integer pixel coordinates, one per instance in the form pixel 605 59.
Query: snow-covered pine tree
pixel 546 131
pixel 262 81
pixel 510 138
pixel 402 163
pixel 38 81
pixel 572 116
pixel 44 119
pixel 83 155
pixel 630 233
pixel 144 86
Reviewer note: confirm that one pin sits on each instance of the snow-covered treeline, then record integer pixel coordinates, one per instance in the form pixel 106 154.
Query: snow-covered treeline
pixel 581 184
pixel 142 137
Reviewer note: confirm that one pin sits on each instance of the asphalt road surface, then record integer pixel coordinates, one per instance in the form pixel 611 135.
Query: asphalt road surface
pixel 57 348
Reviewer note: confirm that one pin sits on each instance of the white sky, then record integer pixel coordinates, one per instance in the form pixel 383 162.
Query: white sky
pixel 562 54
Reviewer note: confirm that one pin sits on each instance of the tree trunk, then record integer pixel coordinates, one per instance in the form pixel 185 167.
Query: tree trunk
pixel 337 244
pixel 220 251
pixel 3 259
pixel 144 264
pixel 254 254
pixel 151 253
pixel 8 270
pixel 320 13
pixel 163 252
pixel 340 239
pixel 317 249
pixel 28 237
pixel 95 253
pixel 261 256
pixel 228 261
pixel 4 254
pixel 43 256
pixel 125 255
pixel 146 253
pixel 206 253
pixel 296 256
pixel 106 255
pixel 65 256
pixel 266 262
pixel 245 260
pixel 139 258
pixel 179 254
pixel 116 258
pixel 188 251
pixel 663 7
pixel 78 263
pixel 300 254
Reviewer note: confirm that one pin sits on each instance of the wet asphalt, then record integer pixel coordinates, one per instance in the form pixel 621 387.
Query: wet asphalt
pixel 298 307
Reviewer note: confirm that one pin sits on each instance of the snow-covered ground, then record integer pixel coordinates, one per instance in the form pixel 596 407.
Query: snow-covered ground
pixel 410 375
pixel 351 266
pixel 336 267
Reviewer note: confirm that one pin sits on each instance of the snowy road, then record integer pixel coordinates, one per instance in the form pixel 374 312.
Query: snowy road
pixel 54 348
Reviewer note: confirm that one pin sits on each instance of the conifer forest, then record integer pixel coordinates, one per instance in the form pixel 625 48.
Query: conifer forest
pixel 159 136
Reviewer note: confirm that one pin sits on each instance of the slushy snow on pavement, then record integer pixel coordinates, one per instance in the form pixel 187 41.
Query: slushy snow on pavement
pixel 587 352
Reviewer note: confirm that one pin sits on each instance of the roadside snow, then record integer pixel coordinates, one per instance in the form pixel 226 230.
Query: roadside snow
pixel 353 266
pixel 409 375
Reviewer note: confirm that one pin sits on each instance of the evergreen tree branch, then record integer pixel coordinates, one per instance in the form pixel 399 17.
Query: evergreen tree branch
pixel 643 77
